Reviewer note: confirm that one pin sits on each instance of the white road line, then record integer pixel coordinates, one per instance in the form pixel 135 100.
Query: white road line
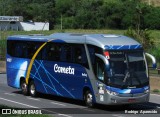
pixel 33 99
pixel 10 94
pixel 34 107
pixel 86 109
pixel 18 103
pixel 58 103
pixel 118 116
pixel 64 115
pixel 155 94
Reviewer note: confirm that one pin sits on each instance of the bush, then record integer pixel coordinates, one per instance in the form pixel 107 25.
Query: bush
pixel 2 49
pixel 142 36
pixel 156 91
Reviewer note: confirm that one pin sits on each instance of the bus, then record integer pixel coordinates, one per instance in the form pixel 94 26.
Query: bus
pixel 106 69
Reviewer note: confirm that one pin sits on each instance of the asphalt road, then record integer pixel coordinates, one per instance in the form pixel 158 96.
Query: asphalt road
pixel 59 106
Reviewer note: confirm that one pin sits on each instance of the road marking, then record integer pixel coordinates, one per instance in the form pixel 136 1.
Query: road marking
pixel 86 109
pixel 64 115
pixel 34 107
pixel 33 99
pixel 155 94
pixel 18 103
pixel 58 104
pixel 10 94
pixel 118 116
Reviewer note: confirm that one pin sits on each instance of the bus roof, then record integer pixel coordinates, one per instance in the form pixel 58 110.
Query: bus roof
pixel 105 41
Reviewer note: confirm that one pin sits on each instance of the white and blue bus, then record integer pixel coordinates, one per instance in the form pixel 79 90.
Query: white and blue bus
pixel 97 68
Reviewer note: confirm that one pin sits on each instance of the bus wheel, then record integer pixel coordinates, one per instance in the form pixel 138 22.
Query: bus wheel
pixel 88 98
pixel 24 88
pixel 32 89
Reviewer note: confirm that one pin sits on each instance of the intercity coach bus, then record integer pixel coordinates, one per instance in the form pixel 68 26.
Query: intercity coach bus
pixel 97 68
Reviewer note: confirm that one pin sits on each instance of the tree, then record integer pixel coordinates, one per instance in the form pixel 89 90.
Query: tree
pixel 41 10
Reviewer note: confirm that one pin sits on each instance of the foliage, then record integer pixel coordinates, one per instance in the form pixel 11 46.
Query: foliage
pixel 142 36
pixel 85 14
pixel 156 52
pixel 41 10
pixel 2 49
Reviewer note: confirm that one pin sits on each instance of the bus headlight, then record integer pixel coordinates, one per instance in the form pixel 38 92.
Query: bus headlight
pixel 146 91
pixel 111 92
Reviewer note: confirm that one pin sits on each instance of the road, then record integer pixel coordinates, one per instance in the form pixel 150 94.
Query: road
pixel 63 107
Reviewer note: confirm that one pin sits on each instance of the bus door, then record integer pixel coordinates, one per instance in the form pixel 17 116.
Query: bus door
pixel 100 70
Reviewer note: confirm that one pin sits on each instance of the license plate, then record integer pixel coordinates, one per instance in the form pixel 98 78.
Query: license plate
pixel 131 100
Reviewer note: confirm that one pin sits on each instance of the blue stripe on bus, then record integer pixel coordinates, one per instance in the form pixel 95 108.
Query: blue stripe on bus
pixel 122 47
pixel 128 91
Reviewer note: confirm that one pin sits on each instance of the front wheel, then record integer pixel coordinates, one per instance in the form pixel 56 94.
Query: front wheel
pixel 88 98
pixel 24 88
pixel 32 89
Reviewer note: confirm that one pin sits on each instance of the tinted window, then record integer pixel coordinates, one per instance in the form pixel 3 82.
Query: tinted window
pixel 66 55
pixel 72 53
pixel 92 50
pixel 22 49
pixel 51 52
pixel 79 55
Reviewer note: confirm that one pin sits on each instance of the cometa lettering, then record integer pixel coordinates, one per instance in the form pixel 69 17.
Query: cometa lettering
pixel 65 70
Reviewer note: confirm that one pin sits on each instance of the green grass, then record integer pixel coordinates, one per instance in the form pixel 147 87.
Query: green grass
pixel 4 34
pixel 157 91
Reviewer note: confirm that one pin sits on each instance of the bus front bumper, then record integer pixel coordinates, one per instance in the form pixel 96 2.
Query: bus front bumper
pixel 120 100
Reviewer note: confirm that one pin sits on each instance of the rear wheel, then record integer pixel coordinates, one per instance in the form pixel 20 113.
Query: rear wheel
pixel 88 98
pixel 32 89
pixel 24 87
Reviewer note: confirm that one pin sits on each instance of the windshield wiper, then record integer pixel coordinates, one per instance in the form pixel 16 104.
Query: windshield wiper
pixel 126 76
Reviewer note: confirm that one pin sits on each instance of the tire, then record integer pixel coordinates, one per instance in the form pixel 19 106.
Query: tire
pixel 88 98
pixel 32 89
pixel 24 87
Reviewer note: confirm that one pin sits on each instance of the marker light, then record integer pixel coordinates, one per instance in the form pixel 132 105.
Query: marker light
pixel 107 54
pixel 146 91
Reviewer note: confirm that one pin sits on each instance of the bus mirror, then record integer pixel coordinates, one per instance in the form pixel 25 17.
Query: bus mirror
pixel 154 65
pixel 105 60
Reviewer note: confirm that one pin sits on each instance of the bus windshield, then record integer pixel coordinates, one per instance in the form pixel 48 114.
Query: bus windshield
pixel 127 69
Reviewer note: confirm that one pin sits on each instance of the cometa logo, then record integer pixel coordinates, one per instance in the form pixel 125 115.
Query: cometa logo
pixel 65 70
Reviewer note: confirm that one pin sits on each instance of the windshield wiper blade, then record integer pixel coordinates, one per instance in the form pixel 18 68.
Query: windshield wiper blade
pixel 126 76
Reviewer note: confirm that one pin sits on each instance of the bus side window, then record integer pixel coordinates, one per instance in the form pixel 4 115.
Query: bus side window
pixel 80 55
pixel 66 55
pixel 52 52
pixel 20 50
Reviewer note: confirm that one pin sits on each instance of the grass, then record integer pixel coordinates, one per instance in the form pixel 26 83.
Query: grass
pixel 155 84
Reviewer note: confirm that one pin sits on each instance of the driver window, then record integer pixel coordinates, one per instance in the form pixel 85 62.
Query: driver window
pixel 100 69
